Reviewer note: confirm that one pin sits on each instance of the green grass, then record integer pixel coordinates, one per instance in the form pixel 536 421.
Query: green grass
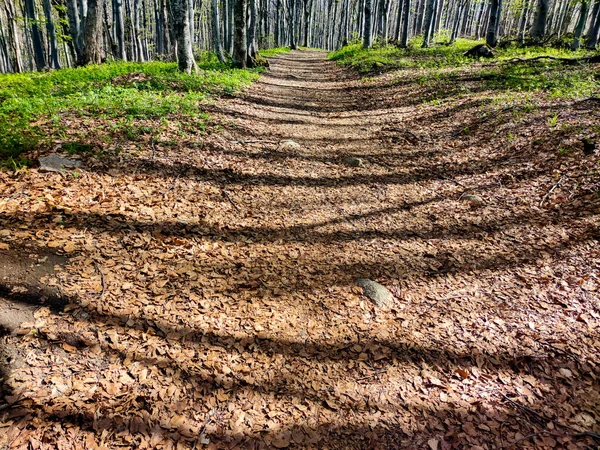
pixel 444 65
pixel 32 105
pixel 269 52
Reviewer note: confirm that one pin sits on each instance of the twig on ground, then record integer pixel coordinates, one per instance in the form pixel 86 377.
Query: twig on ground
pixel 560 350
pixel 458 183
pixel 379 372
pixel 526 438
pixel 226 195
pixel 557 184
pixel 101 293
pixel 153 147
pixel 538 418
pixel 254 141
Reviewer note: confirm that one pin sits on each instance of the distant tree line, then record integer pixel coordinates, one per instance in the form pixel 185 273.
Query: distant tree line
pixel 50 34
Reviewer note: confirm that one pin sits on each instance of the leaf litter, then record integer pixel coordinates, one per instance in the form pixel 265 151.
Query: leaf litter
pixel 212 282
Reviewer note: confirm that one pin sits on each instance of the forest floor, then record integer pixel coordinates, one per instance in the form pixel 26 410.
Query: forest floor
pixel 211 283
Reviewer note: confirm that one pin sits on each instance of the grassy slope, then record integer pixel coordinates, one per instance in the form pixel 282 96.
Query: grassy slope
pixel 441 64
pixel 38 109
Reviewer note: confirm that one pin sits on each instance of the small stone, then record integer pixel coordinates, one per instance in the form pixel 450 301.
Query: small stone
pixel 589 146
pixel 474 200
pixel 353 162
pixel 57 163
pixel 376 292
pixel 290 145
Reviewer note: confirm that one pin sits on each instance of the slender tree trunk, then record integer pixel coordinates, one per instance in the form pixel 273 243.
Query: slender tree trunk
pixel 181 30
pixel 592 34
pixel 218 44
pixel 39 54
pixel 17 62
pixel 585 6
pixel 524 18
pixel 307 22
pixel 538 31
pixel 120 30
pixel 251 29
pixel 428 22
pixel 240 51
pixel 384 6
pixel 405 24
pixel 277 21
pixel 453 36
pixel 367 36
pixel 491 37
pixel 192 15
pixel 51 30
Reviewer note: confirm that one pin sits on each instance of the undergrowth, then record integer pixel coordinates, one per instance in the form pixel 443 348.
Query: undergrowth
pixel 446 65
pixel 118 90
pixel 269 52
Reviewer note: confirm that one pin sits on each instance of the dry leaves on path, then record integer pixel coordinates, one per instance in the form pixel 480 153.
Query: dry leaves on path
pixel 213 290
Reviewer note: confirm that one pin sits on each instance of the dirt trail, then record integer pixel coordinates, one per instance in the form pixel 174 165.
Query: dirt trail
pixel 217 296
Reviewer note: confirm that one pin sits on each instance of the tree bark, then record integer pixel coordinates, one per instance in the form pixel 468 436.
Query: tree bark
pixel 367 36
pixel 405 24
pixel 17 62
pixel 181 29
pixel 39 53
pixel 240 50
pixel 251 29
pixel 585 6
pixel 428 22
pixel 218 43
pixel 91 52
pixel 491 37
pixel 538 31
pixel 51 30
pixel 384 6
pixel 592 35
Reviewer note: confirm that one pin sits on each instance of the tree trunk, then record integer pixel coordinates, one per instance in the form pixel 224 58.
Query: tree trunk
pixel 17 62
pixel 459 11
pixel 181 30
pixel 51 30
pixel 251 28
pixel 218 44
pixel 384 6
pixel 592 35
pixel 192 15
pixel 292 24
pixel 428 22
pixel 524 18
pixel 91 52
pixel 538 31
pixel 491 37
pixel 307 22
pixel 585 6
pixel 39 54
pixel 367 36
pixel 405 24
pixel 240 51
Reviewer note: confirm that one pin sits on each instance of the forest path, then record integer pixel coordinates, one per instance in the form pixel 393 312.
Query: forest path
pixel 212 278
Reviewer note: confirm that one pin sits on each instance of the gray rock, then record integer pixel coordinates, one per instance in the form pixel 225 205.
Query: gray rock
pixel 377 293
pixel 57 163
pixel 352 161
pixel 474 200
pixel 290 145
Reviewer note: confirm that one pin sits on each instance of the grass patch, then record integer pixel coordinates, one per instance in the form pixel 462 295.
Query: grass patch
pixel 123 90
pixel 269 52
pixel 446 67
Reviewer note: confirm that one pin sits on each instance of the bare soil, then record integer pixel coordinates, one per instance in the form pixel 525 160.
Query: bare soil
pixel 212 285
